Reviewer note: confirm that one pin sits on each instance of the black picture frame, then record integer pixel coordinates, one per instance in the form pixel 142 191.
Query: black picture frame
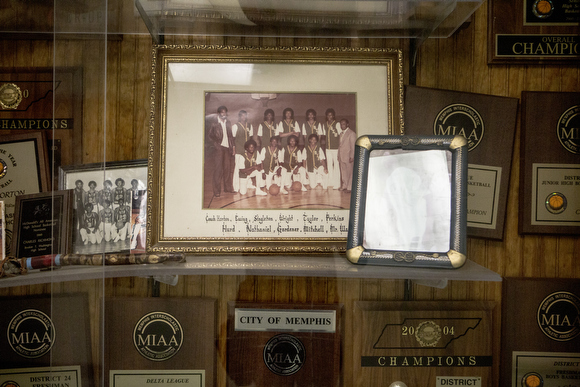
pixel 361 252
pixel 42 224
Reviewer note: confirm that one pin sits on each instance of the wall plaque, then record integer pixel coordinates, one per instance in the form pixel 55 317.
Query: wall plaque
pixel 43 224
pixel 540 332
pixel 150 338
pixel 533 31
pixel 422 343
pixel 46 332
pixel 283 344
pixel 69 376
pixel 47 100
pixel 23 170
pixel 488 122
pixel 550 163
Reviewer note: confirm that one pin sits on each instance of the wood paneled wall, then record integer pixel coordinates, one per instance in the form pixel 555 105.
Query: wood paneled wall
pixel 115 127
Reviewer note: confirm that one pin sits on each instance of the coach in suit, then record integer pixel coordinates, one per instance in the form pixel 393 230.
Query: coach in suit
pixel 346 155
pixel 220 133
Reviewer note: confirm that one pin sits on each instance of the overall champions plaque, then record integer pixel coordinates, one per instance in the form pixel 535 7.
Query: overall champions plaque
pixel 533 31
pixel 540 332
pixel 160 341
pixel 423 343
pixel 550 163
pixel 488 123
pixel 283 345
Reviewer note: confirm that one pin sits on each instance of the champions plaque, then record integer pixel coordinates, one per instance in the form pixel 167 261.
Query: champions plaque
pixel 423 343
pixel 533 31
pixel 550 163
pixel 283 345
pixel 540 332
pixel 46 332
pixel 148 339
pixel 488 123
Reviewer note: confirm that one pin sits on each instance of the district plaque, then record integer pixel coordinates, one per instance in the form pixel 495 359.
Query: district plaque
pixel 65 376
pixel 488 122
pixel 423 343
pixel 44 335
pixel 283 345
pixel 533 31
pixel 540 332
pixel 160 340
pixel 550 163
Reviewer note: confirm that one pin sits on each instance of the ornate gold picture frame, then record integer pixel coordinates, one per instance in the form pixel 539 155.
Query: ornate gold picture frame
pixel 191 205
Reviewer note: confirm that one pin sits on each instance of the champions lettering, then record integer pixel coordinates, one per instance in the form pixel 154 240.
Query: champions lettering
pixel 426 361
pixel 545 48
pixel 35 124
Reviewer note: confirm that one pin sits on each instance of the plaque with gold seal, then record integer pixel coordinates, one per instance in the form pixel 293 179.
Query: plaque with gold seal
pixel 550 163
pixel 540 332
pixel 47 100
pixel 423 343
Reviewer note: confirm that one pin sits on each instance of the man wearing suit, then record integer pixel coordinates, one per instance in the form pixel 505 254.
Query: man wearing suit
pixel 220 133
pixel 346 155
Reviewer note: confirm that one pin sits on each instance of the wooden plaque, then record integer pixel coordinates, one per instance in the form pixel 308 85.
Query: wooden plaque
pixel 283 345
pixel 422 343
pixel 46 331
pixel 23 170
pixel 49 100
pixel 488 122
pixel 160 334
pixel 540 319
pixel 550 163
pixel 533 31
pixel 43 224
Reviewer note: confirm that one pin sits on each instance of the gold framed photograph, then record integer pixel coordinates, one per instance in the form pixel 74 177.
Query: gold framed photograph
pixel 252 149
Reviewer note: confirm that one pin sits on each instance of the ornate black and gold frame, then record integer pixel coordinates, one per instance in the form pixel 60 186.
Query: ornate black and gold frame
pixel 455 256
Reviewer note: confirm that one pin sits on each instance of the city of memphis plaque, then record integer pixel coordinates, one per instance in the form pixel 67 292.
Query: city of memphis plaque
pixel 488 123
pixel 550 163
pixel 283 345
pixel 423 343
pixel 160 340
pixel 540 332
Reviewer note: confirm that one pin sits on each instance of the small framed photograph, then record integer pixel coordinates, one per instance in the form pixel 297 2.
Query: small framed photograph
pixel 43 224
pixel 252 149
pixel 23 170
pixel 409 201
pixel 105 196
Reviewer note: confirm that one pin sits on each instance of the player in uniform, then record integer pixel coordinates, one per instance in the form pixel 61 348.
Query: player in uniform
pixel 311 126
pixel 122 221
pixel 90 226
pixel 252 168
pixel 106 216
pixel 271 162
pixel 267 129
pixel 288 126
pixel 333 131
pixel 315 163
pixel 119 193
pixel 292 158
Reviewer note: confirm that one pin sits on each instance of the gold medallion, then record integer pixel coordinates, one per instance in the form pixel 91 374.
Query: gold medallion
pixel 10 96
